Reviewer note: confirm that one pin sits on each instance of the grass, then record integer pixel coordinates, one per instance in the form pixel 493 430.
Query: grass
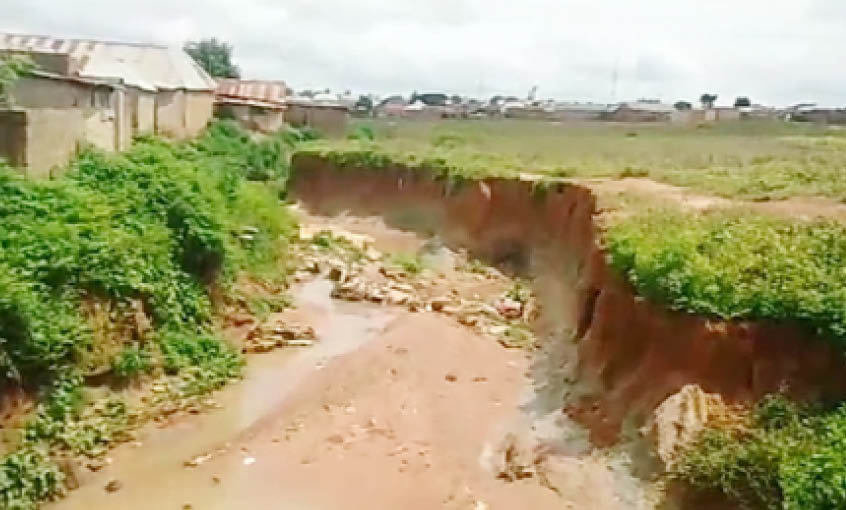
pixel 159 225
pixel 737 267
pixel 750 160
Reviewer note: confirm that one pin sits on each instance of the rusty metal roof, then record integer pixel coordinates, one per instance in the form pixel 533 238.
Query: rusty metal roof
pixel 146 66
pixel 257 92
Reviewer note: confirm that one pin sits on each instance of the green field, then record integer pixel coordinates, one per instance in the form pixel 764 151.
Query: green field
pixel 754 160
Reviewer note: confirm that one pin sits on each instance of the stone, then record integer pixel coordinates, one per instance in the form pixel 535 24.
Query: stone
pixel 396 297
pixel 372 254
pixel 440 303
pixel 250 230
pixel 680 418
pixel 336 274
pixel 451 377
pixel 509 308
pixel 114 486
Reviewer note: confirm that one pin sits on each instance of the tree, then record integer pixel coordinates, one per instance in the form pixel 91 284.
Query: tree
pixel 742 102
pixel 12 68
pixel 708 100
pixel 214 56
pixel 683 105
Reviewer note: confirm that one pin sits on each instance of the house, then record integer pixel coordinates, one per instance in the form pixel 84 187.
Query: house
pixel 165 91
pixel 642 111
pixel 391 106
pixel 327 116
pixel 258 105
pixel 569 112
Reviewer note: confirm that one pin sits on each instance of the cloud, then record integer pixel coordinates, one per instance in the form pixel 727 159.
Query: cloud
pixel 779 52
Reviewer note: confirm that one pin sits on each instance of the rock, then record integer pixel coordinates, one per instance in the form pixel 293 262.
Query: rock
pixel 468 320
pixel 680 418
pixel 509 308
pixel 497 330
pixel 239 319
pixel 114 486
pixel 313 267
pixel 438 304
pixel 294 331
pixel 336 274
pixel 246 237
pixel 72 471
pixel 249 461
pixel 297 343
pixel 372 254
pixel 250 230
pixel 451 377
pixel 396 297
pixel 199 460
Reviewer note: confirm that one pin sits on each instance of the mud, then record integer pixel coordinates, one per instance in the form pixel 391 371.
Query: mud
pixel 609 358
pixel 389 409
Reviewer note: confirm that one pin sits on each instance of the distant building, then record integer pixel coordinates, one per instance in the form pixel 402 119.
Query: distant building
pixel 329 117
pixel 642 111
pixel 391 106
pixel 257 105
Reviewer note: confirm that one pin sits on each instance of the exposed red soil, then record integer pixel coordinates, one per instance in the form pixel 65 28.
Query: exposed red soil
pixel 627 355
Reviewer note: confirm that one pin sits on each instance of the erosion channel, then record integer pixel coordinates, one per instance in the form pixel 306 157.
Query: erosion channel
pixel 439 381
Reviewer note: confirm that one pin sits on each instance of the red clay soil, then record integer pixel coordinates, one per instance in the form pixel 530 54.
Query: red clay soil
pixel 625 354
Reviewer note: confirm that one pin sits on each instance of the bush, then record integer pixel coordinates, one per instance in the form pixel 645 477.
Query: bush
pixel 737 267
pixel 792 457
pixel 130 363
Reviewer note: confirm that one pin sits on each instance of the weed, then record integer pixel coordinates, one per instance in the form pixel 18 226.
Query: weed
pixel 130 363
pixel 409 263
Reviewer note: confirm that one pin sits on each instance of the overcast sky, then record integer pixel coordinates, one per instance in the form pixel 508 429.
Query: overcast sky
pixel 775 51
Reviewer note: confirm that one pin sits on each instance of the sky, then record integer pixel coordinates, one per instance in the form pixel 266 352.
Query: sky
pixel 776 52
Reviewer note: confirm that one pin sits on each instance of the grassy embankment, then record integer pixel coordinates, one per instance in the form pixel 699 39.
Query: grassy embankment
pixel 108 271
pixel 729 264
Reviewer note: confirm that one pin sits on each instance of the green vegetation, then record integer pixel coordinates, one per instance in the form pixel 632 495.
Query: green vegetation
pixel 156 225
pixel 752 160
pixel 737 267
pixel 790 457
pixel 12 68
pixel 214 56
pixel 410 263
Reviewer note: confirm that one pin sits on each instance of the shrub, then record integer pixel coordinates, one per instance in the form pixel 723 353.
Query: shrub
pixel 130 363
pixel 792 457
pixel 737 267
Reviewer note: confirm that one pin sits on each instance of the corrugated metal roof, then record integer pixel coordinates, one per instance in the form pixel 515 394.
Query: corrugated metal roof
pixel 146 66
pixel 253 90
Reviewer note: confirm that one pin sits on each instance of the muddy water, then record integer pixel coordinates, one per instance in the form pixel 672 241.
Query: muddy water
pixel 390 409
pixel 269 381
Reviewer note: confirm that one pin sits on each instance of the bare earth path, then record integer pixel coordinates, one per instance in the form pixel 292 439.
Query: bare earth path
pixel 390 409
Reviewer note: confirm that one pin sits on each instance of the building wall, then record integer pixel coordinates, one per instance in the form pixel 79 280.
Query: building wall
pixel 330 121
pixel 183 114
pixel 53 138
pixel 13 137
pixel 40 140
pixel 141 106
pixel 265 120
pixel 170 113
pixel 199 109
pixel 35 92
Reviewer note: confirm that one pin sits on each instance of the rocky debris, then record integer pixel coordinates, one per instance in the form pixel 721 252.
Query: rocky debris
pixel 515 459
pixel 509 308
pixel 359 241
pixel 677 422
pixel 268 337
pixel 199 460
pixel 114 486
